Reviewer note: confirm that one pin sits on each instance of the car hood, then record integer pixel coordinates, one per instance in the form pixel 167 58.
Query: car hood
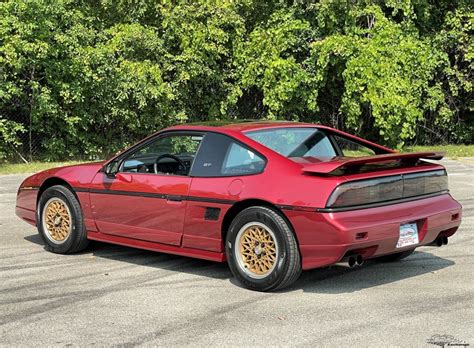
pixel 79 175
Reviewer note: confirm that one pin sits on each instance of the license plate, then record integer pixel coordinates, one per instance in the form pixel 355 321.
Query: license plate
pixel 408 235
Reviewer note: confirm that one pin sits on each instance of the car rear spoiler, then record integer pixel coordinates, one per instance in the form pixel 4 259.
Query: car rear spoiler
pixel 345 163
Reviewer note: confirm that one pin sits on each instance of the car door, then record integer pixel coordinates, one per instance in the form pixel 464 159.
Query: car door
pixel 223 167
pixel 146 198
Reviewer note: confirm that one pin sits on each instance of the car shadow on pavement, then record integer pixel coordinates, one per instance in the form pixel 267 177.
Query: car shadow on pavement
pixel 159 260
pixel 34 238
pixel 335 279
pixel 141 257
pixel 340 278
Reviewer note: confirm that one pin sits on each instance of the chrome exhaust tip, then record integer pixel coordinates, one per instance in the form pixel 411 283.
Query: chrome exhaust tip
pixel 359 260
pixel 352 262
pixel 444 240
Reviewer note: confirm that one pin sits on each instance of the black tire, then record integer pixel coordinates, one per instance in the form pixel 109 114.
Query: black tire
pixel 286 268
pixel 395 257
pixel 77 237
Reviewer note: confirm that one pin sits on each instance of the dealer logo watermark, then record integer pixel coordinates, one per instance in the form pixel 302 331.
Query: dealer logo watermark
pixel 446 341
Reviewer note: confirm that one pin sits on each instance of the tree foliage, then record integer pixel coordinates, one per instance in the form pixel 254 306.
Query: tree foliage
pixel 89 77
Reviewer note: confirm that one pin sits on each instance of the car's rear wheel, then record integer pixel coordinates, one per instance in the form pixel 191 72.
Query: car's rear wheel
pixel 395 257
pixel 262 251
pixel 60 221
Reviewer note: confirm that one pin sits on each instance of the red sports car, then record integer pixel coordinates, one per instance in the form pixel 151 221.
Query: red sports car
pixel 271 198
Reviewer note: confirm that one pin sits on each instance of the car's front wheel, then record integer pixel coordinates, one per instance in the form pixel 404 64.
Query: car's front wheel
pixel 60 221
pixel 262 251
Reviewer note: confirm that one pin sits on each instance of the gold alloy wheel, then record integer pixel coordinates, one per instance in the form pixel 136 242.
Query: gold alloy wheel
pixel 57 223
pixel 257 250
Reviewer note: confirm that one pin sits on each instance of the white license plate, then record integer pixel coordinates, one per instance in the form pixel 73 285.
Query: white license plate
pixel 408 235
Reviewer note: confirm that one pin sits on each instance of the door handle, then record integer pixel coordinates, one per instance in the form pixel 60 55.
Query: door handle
pixel 173 198
pixel 124 177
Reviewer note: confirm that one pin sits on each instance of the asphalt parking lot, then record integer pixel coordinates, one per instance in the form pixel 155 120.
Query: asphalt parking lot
pixel 112 295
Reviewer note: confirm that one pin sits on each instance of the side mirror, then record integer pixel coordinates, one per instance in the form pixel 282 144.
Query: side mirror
pixel 111 169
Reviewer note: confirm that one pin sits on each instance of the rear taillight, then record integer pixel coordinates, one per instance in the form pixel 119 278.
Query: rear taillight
pixel 418 184
pixel 388 188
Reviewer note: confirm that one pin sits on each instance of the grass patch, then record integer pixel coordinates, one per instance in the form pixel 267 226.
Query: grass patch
pixel 33 167
pixel 452 151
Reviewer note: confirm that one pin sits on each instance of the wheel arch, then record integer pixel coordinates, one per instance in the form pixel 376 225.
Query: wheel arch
pixel 53 181
pixel 247 203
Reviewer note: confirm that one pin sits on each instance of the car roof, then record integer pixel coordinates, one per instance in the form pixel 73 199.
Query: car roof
pixel 247 126
pixel 241 126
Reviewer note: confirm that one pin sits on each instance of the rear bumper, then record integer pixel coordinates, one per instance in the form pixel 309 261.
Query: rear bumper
pixel 325 238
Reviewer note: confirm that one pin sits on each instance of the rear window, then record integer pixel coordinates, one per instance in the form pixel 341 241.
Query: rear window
pixel 295 142
pixel 352 149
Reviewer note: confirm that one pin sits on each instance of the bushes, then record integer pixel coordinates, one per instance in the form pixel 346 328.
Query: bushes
pixel 87 78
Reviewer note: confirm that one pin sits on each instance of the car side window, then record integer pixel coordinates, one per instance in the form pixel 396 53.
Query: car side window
pixel 220 155
pixel 350 148
pixel 240 160
pixel 168 154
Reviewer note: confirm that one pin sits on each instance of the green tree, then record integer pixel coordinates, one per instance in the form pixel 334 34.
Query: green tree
pixel 85 78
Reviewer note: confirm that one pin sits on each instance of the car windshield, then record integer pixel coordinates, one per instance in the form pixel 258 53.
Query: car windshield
pixel 295 142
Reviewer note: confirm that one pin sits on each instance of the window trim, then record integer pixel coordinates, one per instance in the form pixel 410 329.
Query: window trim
pixel 335 145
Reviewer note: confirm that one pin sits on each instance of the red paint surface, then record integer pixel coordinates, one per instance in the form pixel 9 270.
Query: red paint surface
pixel 137 217
pixel 324 238
pixel 179 227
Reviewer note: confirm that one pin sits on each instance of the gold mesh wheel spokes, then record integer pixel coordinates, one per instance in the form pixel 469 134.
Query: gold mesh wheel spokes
pixel 258 250
pixel 57 220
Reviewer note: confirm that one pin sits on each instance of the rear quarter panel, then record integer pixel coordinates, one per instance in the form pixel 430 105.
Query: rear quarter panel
pixel 282 184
